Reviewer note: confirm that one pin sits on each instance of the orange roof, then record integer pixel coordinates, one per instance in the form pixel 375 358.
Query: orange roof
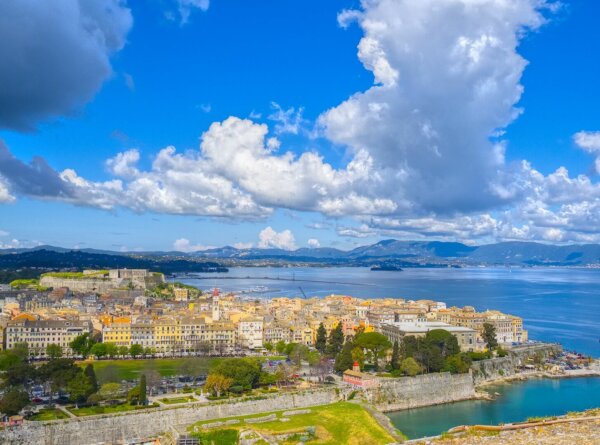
pixel 25 316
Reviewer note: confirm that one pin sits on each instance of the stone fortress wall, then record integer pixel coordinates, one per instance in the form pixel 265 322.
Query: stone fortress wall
pixel 116 279
pixel 390 395
pixel 109 429
pixel 422 390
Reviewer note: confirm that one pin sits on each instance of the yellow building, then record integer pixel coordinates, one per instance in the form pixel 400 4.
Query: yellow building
pixel 181 294
pixel 117 331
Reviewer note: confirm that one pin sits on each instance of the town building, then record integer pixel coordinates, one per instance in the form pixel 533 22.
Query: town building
pixel 38 334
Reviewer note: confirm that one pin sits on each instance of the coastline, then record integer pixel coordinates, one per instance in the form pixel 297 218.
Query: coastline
pixel 576 373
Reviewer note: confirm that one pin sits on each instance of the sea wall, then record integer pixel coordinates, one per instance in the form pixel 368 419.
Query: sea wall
pixel 498 368
pixel 394 394
pixel 109 429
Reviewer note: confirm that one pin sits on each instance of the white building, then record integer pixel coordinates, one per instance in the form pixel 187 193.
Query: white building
pixel 38 334
pixel 250 333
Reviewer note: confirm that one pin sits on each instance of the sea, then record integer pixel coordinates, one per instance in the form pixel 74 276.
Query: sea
pixel 560 305
pixel 557 304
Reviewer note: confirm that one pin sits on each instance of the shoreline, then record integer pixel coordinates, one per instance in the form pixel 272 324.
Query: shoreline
pixel 577 373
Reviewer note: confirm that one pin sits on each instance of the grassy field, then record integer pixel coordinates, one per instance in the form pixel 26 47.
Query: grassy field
pixel 167 367
pixel 48 414
pixel 91 410
pixel 342 422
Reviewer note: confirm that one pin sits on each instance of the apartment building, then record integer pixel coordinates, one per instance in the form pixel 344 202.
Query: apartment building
pixel 38 334
pixel 250 333
pixel 466 337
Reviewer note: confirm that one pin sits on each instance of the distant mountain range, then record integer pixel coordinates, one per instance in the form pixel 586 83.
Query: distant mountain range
pixel 387 252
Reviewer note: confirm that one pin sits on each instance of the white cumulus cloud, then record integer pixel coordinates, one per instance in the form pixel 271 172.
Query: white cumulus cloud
pixel 184 245
pixel 590 142
pixel 279 240
pixel 314 243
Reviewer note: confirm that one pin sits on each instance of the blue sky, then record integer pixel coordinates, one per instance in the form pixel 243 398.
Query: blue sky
pixel 171 80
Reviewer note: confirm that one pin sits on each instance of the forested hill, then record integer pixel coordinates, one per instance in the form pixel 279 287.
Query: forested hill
pixel 76 259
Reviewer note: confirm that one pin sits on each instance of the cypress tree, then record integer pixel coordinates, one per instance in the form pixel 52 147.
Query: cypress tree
pixel 143 389
pixel 395 363
pixel 91 375
pixel 336 340
pixel 321 343
pixel 343 360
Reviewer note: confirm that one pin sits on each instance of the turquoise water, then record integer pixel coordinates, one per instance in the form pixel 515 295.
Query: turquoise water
pixel 516 402
pixel 557 305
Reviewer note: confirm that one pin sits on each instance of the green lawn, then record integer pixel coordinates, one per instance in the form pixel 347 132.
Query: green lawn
pixel 91 410
pixel 221 437
pixel 48 414
pixel 174 400
pixel 131 369
pixel 341 422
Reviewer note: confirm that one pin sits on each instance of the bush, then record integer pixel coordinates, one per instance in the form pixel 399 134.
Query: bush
pixel 501 352
pixel 236 389
pixel 477 356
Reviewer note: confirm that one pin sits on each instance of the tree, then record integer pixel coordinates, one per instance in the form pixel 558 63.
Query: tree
pixel 91 375
pixel 282 374
pixel 298 352
pixel 153 379
pixel 321 342
pixel 336 340
pixel 109 391
pixel 136 350
pixel 123 351
pixel 17 373
pixel 395 361
pixel 54 351
pixel 203 347
pixel 9 358
pixel 133 395
pixel 79 388
pixel 58 373
pixel 429 356
pixel 444 340
pixel 142 385
pixel 280 347
pixel 489 335
pixel 375 343
pixel 358 355
pixel 457 364
pixel 410 367
pixel 21 349
pixel 98 350
pixel 343 360
pixel 82 344
pixel 268 346
pixel 244 372
pixel 313 358
pixel 409 346
pixel 111 350
pixel 217 384
pixel 13 401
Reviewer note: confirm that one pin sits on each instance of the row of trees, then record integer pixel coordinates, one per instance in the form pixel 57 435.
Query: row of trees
pixel 85 345
pixel 56 375
pixel 437 351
